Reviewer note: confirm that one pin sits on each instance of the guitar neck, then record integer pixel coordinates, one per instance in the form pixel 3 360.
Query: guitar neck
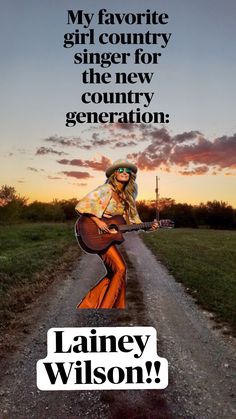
pixel 135 227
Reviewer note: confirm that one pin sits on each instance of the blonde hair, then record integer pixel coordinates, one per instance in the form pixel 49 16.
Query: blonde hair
pixel 128 194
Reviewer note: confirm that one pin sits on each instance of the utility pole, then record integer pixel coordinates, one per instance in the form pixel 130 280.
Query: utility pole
pixel 157 197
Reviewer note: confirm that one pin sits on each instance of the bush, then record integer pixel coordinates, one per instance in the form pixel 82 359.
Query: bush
pixel 39 211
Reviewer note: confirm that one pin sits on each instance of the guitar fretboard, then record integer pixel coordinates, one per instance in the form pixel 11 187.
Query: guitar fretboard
pixel 133 227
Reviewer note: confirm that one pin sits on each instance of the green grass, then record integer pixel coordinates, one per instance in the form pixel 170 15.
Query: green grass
pixel 205 262
pixel 29 255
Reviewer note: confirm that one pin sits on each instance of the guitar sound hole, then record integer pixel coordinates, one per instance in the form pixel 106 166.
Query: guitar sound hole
pixel 113 227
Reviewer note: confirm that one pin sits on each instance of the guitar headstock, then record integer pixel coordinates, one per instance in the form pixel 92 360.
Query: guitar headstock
pixel 166 223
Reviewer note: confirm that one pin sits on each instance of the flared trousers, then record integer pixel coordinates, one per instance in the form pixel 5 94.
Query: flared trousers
pixel 109 292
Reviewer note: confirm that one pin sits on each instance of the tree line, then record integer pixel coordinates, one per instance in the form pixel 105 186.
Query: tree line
pixel 213 214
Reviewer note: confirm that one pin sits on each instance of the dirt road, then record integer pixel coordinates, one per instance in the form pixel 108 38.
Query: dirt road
pixel 202 362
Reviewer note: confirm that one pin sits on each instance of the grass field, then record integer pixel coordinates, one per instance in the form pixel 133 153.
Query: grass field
pixel 29 254
pixel 205 262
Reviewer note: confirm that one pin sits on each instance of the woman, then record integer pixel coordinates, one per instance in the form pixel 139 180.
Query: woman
pixel 115 197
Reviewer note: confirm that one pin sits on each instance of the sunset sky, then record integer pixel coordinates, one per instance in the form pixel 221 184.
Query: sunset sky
pixel 194 155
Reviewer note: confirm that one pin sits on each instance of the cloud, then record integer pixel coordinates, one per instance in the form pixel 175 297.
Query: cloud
pixel 67 141
pixel 64 141
pixel 125 127
pixel 200 170
pixel 99 165
pixel 220 153
pixel 33 169
pixel 102 142
pixel 119 135
pixel 54 177
pixel 78 175
pixel 88 144
pixel 79 183
pixel 112 135
pixel 190 151
pixel 186 136
pixel 125 144
pixel 48 150
pixel 116 141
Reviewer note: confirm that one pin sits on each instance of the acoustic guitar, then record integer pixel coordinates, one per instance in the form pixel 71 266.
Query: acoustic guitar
pixel 93 240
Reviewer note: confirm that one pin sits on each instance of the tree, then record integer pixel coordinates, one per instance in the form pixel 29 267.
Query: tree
pixel 43 211
pixel 68 207
pixel 11 204
pixel 219 214
pixel 8 194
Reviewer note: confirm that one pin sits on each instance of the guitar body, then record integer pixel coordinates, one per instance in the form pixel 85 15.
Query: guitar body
pixel 91 239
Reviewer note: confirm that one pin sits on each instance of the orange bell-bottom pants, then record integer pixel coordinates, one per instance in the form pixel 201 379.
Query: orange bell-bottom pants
pixel 109 292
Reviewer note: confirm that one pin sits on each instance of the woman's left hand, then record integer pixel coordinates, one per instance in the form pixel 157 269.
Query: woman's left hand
pixel 154 225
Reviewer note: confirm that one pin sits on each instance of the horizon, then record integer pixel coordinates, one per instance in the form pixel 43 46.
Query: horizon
pixel 148 200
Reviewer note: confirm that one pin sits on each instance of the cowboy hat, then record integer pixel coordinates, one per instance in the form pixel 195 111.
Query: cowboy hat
pixel 120 163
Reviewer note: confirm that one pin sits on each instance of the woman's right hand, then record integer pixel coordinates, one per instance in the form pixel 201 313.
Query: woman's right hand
pixel 102 225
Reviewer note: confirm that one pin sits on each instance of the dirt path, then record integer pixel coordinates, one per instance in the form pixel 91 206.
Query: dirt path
pixel 201 361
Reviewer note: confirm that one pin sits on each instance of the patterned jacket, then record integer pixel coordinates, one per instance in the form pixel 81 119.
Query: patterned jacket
pixel 97 201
